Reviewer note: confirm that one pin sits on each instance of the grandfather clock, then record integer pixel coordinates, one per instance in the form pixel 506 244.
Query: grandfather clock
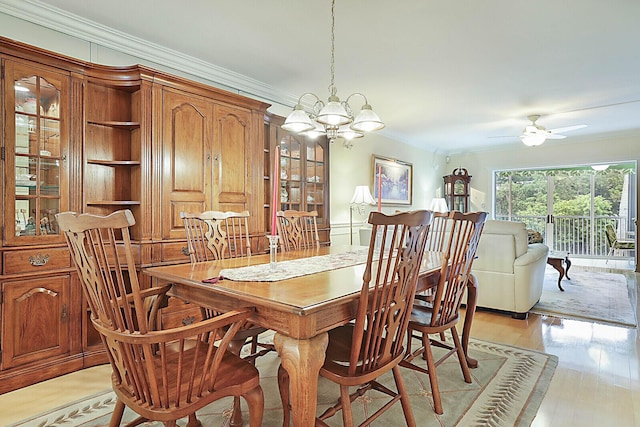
pixel 456 189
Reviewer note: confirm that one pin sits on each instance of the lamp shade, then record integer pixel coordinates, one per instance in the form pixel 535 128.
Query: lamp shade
pixel 362 196
pixel 333 114
pixel 439 205
pixel 367 120
pixel 298 121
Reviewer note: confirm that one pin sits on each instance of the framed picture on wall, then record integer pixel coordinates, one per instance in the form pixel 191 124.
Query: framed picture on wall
pixel 392 180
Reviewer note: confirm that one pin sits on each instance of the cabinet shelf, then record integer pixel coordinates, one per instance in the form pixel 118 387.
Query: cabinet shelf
pixel 114 162
pixel 115 124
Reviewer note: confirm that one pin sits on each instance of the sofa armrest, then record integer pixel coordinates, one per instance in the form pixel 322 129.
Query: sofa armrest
pixel 533 254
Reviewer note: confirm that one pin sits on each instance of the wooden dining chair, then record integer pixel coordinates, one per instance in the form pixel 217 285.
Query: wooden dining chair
pixel 162 375
pixel 213 235
pixel 438 231
pixel 360 352
pixel 431 318
pixel 297 230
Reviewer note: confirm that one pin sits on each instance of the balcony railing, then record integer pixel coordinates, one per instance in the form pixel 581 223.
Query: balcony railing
pixel 580 235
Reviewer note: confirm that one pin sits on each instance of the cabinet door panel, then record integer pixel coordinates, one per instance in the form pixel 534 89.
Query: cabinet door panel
pixel 34 319
pixel 232 158
pixel 186 156
pixel 36 143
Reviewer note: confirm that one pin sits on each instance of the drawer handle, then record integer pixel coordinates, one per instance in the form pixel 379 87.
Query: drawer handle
pixel 38 260
pixel 185 250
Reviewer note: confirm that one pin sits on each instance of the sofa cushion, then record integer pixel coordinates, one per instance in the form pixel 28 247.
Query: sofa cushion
pixel 515 229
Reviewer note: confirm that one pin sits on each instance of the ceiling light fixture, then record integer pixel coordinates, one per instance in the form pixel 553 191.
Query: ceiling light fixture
pixel 533 139
pixel 599 167
pixel 335 119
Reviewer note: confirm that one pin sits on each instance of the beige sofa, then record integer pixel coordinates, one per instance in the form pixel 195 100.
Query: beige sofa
pixel 510 272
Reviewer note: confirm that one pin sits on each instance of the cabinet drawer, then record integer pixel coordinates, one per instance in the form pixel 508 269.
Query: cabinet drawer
pixel 35 260
pixel 176 251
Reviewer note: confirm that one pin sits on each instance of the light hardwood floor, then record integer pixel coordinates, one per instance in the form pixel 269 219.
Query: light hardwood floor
pixel 597 382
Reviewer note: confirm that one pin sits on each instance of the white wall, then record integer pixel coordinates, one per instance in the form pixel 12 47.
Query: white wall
pixel 610 148
pixel 352 167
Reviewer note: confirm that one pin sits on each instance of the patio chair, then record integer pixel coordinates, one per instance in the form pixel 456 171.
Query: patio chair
pixel 359 352
pixel 297 230
pixel 615 243
pixel 162 375
pixel 430 318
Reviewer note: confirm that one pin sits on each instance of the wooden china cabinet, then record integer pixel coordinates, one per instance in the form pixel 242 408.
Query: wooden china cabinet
pixel 304 173
pixel 456 189
pixel 92 138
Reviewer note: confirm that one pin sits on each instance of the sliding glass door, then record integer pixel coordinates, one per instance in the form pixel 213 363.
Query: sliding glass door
pixel 571 206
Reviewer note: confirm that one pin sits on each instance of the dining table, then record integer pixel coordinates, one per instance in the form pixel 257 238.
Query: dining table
pixel 299 309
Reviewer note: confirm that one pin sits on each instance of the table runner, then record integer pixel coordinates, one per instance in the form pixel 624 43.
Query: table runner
pixel 296 267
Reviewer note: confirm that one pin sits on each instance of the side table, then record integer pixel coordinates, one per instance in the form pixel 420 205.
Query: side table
pixel 556 259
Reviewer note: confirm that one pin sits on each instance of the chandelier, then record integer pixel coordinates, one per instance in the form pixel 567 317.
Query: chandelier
pixel 335 119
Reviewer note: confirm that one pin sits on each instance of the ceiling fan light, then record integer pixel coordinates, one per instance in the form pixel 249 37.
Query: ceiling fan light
pixel 599 167
pixel 367 120
pixel 298 121
pixel 533 140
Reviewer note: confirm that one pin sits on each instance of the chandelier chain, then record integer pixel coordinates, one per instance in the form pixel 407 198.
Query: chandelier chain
pixel 332 86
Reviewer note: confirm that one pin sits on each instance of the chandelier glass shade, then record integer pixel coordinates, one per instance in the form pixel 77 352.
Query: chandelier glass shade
pixel 335 118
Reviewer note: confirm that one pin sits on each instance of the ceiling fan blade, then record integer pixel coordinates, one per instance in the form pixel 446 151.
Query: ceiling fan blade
pixel 503 136
pixel 555 136
pixel 567 128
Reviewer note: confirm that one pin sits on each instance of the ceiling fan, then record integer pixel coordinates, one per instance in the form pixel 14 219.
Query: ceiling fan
pixel 534 134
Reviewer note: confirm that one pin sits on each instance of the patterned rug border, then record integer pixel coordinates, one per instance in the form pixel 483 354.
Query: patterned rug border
pixel 514 377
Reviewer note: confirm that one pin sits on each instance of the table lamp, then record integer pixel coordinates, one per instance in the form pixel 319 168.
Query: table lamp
pixel 439 205
pixel 361 197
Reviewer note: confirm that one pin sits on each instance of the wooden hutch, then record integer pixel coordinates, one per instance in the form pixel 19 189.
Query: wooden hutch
pixel 91 138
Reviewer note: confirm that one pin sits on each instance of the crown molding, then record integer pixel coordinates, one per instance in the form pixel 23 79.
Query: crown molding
pixel 56 19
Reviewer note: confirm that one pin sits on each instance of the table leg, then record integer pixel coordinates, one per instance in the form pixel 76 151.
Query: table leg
pixel 557 264
pixel 302 359
pixel 566 271
pixel 472 300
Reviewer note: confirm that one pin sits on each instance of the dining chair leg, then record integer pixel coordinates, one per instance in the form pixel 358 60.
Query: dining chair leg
pixel 404 397
pixel 235 347
pixel 116 416
pixel 461 356
pixel 433 379
pixel 255 402
pixel 283 386
pixel 347 413
pixel 193 421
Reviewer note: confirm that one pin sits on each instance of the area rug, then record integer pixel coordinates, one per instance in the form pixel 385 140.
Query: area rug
pixel 589 295
pixel 507 389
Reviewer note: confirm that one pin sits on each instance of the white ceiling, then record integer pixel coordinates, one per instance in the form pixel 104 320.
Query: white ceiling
pixel 446 75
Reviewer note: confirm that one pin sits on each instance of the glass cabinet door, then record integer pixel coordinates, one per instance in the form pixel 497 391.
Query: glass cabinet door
pixel 314 178
pixel 290 174
pixel 35 152
pixel 303 175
